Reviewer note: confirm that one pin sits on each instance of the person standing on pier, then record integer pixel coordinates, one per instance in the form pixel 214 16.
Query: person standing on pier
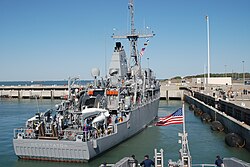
pixel 147 162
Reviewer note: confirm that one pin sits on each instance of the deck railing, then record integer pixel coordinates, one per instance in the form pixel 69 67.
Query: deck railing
pixel 67 134
pixel 22 133
pixel 204 165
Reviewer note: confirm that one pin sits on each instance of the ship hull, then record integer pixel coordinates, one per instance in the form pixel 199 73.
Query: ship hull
pixel 78 151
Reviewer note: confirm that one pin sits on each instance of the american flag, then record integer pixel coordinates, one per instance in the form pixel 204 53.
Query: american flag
pixel 175 118
pixel 142 51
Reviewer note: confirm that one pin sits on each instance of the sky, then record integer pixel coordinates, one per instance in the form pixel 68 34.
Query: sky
pixel 55 39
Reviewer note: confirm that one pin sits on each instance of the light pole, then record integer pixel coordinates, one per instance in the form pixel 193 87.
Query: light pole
pixel 225 70
pixel 243 74
pixel 208 51
pixel 204 80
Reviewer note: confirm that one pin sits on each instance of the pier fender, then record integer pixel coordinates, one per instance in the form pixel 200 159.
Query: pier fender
pixel 191 107
pixel 205 117
pixel 234 140
pixel 198 112
pixel 217 126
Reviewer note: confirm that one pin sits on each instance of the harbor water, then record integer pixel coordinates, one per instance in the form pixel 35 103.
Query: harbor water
pixel 204 144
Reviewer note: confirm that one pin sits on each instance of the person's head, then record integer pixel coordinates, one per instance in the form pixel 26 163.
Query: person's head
pixel 218 157
pixel 146 156
pixel 133 156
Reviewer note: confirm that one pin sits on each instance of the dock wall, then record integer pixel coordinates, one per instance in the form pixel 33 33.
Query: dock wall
pixel 46 92
pixel 171 91
pixel 231 108
pixel 231 124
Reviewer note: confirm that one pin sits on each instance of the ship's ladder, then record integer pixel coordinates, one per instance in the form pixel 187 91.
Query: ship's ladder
pixel 159 158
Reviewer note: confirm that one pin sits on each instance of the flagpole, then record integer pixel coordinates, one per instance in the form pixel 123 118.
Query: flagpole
pixel 183 113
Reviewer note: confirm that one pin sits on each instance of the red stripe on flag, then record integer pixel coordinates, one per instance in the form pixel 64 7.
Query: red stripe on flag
pixel 175 118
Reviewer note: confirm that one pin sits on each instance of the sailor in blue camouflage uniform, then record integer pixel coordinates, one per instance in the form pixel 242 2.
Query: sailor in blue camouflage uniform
pixel 147 162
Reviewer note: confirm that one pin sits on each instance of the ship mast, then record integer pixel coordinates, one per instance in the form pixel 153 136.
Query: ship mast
pixel 132 37
pixel 134 59
pixel 131 9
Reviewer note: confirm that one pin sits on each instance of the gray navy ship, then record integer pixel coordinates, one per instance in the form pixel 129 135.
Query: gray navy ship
pixel 96 117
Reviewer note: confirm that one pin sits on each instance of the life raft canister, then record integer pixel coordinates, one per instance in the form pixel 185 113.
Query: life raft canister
pixel 112 92
pixel 91 92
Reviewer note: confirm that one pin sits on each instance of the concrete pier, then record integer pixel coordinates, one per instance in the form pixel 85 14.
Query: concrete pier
pixel 228 104
pixel 34 91
pixel 168 91
pixel 171 91
pixel 231 124
pixel 238 109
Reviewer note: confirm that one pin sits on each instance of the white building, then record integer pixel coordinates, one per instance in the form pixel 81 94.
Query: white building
pixel 213 81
